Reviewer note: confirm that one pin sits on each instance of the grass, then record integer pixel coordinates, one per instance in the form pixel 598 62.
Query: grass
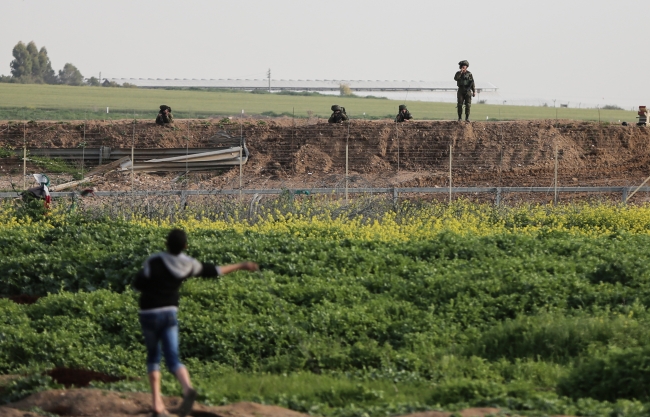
pixel 535 309
pixel 56 102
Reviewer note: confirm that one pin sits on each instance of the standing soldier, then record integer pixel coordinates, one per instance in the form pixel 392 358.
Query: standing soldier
pixel 403 115
pixel 338 114
pixel 466 89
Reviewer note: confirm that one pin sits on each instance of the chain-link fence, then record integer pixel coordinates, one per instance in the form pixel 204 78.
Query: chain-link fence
pixel 541 158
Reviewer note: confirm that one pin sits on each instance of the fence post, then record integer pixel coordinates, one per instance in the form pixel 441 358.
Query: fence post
pixel 347 140
pixel 397 137
pixel 83 152
pixel 241 153
pixel 625 191
pixel 395 195
pixel 497 201
pixel 555 179
pixel 132 160
pixel 24 155
pixel 450 161
pixel 183 200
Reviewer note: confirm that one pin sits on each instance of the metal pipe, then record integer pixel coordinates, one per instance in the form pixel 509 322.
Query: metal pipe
pixel 428 190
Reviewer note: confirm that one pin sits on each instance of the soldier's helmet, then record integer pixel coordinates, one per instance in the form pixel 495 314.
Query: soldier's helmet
pixel 402 107
pixel 336 107
pixel 463 62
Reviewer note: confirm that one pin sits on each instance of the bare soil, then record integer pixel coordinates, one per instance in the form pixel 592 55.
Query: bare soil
pixel 99 403
pixel 79 402
pixel 312 154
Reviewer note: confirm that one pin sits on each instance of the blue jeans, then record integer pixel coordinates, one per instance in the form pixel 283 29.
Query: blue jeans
pixel 161 328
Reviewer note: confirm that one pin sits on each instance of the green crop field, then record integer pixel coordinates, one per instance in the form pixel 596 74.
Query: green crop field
pixel 537 310
pixel 52 102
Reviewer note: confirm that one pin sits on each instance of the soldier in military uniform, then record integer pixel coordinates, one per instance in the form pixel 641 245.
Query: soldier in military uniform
pixel 466 89
pixel 338 115
pixel 403 115
pixel 164 115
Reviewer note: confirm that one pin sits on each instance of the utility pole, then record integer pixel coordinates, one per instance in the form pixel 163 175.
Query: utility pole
pixel 268 75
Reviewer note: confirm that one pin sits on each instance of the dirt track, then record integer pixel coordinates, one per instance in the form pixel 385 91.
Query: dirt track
pixel 97 403
pixel 304 154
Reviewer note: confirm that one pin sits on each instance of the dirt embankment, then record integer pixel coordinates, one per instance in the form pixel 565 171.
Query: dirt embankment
pixel 97 403
pixel 286 153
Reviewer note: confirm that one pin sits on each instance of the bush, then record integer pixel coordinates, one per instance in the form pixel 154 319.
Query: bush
pixel 466 391
pixel 299 93
pixel 274 114
pixel 554 338
pixel 24 387
pixel 345 90
pixel 617 374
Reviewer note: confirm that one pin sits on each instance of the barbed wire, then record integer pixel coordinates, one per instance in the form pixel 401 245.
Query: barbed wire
pixel 309 153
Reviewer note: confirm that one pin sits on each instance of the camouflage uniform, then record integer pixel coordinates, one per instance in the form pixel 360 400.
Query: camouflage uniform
pixel 164 115
pixel 338 116
pixel 403 115
pixel 466 89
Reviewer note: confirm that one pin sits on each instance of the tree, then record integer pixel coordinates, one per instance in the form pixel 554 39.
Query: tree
pixel 93 81
pixel 46 73
pixel 32 50
pixel 31 65
pixel 345 90
pixel 21 66
pixel 70 75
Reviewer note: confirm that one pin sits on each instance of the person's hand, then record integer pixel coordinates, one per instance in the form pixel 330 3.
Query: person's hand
pixel 473 94
pixel 250 266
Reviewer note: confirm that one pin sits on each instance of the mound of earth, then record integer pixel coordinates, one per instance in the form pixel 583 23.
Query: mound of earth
pixel 312 154
pixel 99 403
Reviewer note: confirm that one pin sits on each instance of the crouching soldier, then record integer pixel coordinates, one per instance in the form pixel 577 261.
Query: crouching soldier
pixel 338 115
pixel 403 115
pixel 164 115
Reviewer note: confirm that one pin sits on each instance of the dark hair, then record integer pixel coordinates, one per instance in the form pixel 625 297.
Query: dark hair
pixel 176 241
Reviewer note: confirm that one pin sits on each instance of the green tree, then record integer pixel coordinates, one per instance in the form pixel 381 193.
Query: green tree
pixel 93 81
pixel 46 73
pixel 31 65
pixel 70 75
pixel 21 66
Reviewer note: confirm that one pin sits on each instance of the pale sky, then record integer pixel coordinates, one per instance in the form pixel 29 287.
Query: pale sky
pixel 570 50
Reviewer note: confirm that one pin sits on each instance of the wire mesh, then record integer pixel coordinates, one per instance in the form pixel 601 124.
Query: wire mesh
pixel 307 154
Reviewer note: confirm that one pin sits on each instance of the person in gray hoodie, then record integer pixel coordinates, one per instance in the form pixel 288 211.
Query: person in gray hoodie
pixel 159 282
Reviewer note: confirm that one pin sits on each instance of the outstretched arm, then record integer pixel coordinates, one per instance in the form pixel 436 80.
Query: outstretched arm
pixel 245 266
